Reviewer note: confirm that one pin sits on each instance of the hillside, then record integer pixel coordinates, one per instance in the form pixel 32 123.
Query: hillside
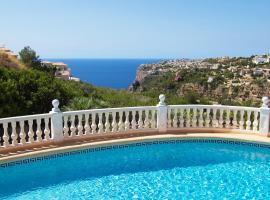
pixel 30 88
pixel 29 91
pixel 234 81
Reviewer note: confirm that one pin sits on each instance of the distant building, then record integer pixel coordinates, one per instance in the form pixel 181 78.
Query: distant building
pixel 62 70
pixel 257 72
pixel 261 59
pixel 215 66
pixel 8 52
pixel 210 79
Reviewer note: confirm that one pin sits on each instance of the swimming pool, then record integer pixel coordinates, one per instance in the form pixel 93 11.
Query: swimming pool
pixel 173 169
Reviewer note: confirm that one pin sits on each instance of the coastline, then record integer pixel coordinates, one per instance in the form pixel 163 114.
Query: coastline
pixel 110 73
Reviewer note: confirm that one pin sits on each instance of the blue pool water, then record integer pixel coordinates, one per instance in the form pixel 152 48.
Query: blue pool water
pixel 190 170
pixel 113 73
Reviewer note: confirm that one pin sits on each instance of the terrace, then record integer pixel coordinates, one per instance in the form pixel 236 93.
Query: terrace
pixel 56 128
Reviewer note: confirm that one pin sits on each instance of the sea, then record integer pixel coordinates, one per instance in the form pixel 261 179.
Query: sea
pixel 111 73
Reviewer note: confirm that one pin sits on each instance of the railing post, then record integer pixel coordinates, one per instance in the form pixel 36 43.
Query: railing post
pixel 162 111
pixel 56 122
pixel 264 117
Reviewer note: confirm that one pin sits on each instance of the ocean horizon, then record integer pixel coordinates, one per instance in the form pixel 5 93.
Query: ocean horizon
pixel 113 73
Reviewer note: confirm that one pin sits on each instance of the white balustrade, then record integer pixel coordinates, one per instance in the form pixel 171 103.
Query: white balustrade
pixel 57 125
pixel 109 120
pixel 24 130
pixel 213 116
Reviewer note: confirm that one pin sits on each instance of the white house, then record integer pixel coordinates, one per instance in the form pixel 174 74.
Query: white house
pixel 261 59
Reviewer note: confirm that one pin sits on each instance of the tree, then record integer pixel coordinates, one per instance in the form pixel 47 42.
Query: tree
pixel 29 57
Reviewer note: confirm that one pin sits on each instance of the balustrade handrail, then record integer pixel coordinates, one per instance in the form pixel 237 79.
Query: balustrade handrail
pixel 215 106
pixel 24 117
pixel 99 110
pixel 27 117
pixel 57 125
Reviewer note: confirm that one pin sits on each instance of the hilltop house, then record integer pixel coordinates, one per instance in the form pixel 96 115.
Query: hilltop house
pixel 8 52
pixel 62 70
pixel 261 59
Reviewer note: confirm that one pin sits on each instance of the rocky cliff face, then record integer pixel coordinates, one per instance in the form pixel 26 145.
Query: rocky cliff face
pixel 145 70
pixel 184 76
pixel 141 73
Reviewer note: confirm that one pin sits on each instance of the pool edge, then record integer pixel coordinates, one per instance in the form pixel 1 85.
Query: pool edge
pixel 170 136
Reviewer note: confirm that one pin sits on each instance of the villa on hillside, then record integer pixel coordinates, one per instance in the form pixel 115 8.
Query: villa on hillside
pixel 62 70
pixel 261 59
pixel 8 52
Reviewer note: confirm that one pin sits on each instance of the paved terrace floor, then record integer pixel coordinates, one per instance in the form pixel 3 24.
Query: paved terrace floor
pixel 7 155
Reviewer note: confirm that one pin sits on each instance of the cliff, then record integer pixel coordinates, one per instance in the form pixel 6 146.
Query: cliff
pixel 217 79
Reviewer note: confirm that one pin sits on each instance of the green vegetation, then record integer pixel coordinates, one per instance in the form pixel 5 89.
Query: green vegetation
pixel 29 57
pixel 193 86
pixel 27 87
pixel 31 91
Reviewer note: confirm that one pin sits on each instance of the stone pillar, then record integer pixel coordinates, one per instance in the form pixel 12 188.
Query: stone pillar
pixel 264 117
pixel 162 111
pixel 56 122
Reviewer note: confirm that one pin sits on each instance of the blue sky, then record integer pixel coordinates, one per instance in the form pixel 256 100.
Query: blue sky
pixel 136 28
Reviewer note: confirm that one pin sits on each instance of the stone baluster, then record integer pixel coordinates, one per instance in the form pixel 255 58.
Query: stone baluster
pixel 107 122
pixel 241 123
pixel 100 123
pixel 22 133
pixel 181 118
pixel 255 122
pixel 46 129
pixel 248 123
pixel 221 120
pixel 80 127
pixel 133 122
pixel 214 120
pixel 188 120
pixel 30 131
pixel 114 124
pixel 194 119
pixel 146 120
pixel 39 131
pixel 87 128
pixel 127 123
pixel 120 122
pixel 153 119
pixel 72 127
pixel 93 124
pixel 175 120
pixel 5 135
pixel 228 120
pixel 169 123
pixel 14 136
pixel 207 120
pixel 235 124
pixel 66 128
pixel 201 121
pixel 140 122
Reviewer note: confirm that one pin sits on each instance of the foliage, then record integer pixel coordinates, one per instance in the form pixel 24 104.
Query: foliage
pixel 259 81
pixel 29 57
pixel 82 103
pixel 31 91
